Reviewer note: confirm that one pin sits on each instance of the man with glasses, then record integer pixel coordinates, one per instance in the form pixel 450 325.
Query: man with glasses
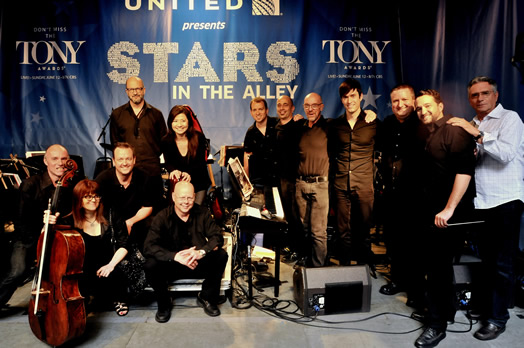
pixel 141 125
pixel 352 141
pixel 35 194
pixel 129 194
pixel 185 242
pixel 312 186
pixel 499 134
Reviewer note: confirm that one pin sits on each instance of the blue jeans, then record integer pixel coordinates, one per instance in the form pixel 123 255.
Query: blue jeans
pixel 313 208
pixel 16 272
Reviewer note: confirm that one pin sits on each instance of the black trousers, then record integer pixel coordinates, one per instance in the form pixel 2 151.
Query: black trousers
pixel 498 247
pixel 210 268
pixel 354 214
pixel 442 245
pixel 404 242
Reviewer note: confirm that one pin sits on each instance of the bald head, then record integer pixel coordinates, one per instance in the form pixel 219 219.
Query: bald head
pixel 135 91
pixel 314 95
pixel 134 80
pixel 184 197
pixel 313 107
pixel 184 187
pixel 54 158
pixel 54 148
pixel 285 109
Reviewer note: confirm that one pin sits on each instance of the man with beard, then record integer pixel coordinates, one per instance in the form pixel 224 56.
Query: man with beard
pixel 449 165
pixel 141 125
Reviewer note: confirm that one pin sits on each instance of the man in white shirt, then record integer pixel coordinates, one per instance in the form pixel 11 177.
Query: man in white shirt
pixel 499 174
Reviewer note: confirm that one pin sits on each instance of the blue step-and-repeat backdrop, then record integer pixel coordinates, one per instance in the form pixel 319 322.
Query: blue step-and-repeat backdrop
pixel 64 63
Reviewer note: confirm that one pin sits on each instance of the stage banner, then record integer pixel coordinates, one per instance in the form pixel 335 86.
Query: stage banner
pixel 65 63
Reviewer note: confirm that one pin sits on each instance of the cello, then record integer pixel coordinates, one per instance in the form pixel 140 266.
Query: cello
pixel 56 307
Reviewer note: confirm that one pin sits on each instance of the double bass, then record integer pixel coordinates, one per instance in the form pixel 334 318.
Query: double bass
pixel 56 307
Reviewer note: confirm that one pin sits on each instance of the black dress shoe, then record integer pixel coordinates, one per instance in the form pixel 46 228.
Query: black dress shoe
pixel 163 315
pixel 489 332
pixel 390 289
pixel 221 299
pixel 430 338
pixel 210 309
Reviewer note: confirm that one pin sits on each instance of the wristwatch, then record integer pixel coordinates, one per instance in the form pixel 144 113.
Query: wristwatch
pixel 202 252
pixel 481 134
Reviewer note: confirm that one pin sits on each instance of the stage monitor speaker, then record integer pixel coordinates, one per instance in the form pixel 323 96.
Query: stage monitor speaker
pixel 332 290
pixel 465 282
pixel 102 164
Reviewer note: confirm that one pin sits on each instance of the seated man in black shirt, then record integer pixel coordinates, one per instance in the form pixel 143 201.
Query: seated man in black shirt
pixel 129 195
pixel 35 193
pixel 185 242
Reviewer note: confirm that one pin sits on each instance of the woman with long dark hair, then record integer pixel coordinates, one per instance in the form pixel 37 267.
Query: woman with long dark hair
pixel 105 247
pixel 184 151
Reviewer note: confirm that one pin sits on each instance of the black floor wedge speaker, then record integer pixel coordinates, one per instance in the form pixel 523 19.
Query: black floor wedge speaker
pixel 332 290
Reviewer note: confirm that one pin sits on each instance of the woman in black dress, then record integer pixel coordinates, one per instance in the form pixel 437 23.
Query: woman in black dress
pixel 105 247
pixel 184 151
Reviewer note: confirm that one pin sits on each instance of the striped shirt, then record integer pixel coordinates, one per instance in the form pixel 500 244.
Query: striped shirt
pixel 499 174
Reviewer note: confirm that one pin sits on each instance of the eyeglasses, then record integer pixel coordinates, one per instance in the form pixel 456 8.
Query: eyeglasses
pixel 133 90
pixel 92 197
pixel 312 106
pixel 184 199
pixel 483 93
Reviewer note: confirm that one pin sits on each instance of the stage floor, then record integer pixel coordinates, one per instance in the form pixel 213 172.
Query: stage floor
pixel 189 326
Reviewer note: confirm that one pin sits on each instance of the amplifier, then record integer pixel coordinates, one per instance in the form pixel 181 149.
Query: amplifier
pixel 332 290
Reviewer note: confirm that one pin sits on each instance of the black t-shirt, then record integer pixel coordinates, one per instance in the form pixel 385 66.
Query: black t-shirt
pixel 313 149
pixel 449 151
pixel 287 149
pixel 35 193
pixel 143 191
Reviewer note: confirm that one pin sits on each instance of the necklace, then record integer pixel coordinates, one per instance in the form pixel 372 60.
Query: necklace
pixel 91 222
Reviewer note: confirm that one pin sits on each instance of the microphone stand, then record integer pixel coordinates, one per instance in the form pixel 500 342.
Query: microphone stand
pixel 103 134
pixel 103 161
